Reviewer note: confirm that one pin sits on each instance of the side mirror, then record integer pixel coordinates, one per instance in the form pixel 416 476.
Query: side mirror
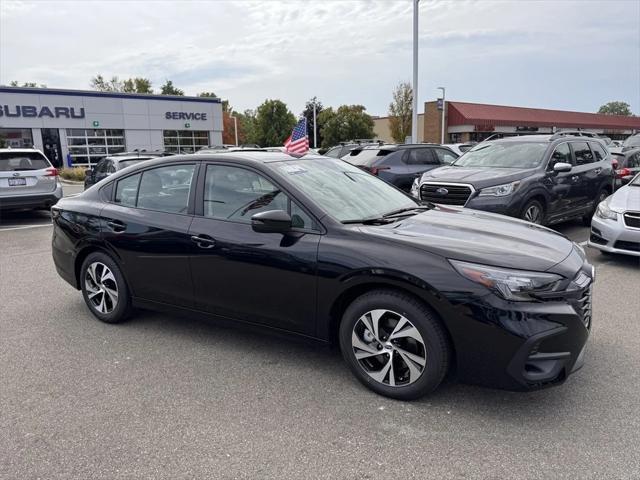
pixel 272 221
pixel 562 167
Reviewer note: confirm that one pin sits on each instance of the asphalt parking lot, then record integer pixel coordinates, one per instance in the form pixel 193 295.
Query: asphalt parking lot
pixel 172 397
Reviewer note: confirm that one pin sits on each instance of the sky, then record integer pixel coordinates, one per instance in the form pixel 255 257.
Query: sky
pixel 569 55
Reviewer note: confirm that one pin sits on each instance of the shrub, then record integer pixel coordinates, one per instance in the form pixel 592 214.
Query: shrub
pixel 74 173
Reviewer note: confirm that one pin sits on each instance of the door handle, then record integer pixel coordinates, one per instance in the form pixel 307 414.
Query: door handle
pixel 203 241
pixel 598 170
pixel 117 226
pixel 575 179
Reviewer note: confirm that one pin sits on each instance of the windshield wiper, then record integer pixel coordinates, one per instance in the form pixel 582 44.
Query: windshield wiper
pixel 406 210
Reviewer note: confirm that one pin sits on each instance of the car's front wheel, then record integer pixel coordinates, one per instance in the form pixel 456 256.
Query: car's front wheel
pixel 104 289
pixel 533 212
pixel 394 344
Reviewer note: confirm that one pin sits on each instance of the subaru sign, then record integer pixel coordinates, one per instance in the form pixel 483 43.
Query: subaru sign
pixel 31 111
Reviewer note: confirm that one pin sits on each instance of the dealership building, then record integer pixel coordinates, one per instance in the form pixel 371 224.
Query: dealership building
pixel 90 125
pixel 469 122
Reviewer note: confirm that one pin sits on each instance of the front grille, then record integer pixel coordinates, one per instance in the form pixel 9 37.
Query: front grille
pixel 624 245
pixel 584 307
pixel 445 194
pixel 632 219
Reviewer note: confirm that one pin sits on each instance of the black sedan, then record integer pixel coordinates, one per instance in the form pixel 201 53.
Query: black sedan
pixel 319 248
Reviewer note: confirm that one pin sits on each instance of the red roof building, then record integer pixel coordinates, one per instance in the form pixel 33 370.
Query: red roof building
pixel 475 121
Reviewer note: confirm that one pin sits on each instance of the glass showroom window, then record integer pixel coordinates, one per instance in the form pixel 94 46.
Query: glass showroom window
pixel 185 141
pixel 88 147
pixel 16 138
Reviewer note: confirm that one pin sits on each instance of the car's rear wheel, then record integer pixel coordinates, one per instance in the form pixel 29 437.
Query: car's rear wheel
pixel 602 195
pixel 533 212
pixel 394 344
pixel 104 289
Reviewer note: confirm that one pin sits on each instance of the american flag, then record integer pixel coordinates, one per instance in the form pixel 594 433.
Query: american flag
pixel 298 141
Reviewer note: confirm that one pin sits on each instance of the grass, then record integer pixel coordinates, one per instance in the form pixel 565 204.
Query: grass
pixel 74 173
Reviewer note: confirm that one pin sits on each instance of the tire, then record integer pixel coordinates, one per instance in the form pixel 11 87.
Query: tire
pixel 586 220
pixel 533 212
pixel 414 375
pixel 104 288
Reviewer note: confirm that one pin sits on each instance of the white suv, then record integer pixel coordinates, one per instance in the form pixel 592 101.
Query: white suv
pixel 27 180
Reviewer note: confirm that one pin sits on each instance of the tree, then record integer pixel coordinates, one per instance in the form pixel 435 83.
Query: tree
pixel 247 129
pixel 137 85
pixel 308 114
pixel 616 108
pixel 273 123
pixel 349 122
pixel 99 83
pixel 15 83
pixel 400 110
pixel 169 89
pixel 225 103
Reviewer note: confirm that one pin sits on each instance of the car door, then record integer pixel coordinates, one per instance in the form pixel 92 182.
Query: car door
pixel 263 278
pixel 585 176
pixel 147 225
pixel 561 186
pixel 418 161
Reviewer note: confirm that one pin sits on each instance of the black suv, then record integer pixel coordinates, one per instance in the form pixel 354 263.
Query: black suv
pixel 543 179
pixel 400 165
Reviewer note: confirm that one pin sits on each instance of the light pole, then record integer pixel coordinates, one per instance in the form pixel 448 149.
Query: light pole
pixel 235 127
pixel 414 113
pixel 443 110
pixel 314 123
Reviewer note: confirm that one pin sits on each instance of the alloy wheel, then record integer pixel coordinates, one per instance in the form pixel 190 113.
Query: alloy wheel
pixel 389 348
pixel 101 287
pixel 533 214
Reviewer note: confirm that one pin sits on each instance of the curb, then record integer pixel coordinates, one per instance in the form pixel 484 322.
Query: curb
pixel 70 182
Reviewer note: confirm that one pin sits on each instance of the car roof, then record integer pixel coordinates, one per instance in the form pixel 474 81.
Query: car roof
pixel 248 156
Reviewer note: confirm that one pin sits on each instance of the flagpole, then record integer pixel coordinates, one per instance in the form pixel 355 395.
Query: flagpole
pixel 414 113
pixel 314 123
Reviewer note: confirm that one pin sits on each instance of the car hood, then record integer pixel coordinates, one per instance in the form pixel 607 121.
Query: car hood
pixel 480 237
pixel 479 177
pixel 627 198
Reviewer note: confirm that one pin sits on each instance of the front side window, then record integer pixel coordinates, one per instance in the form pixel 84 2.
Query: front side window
pixel 582 153
pixel 561 154
pixel 233 193
pixel 344 191
pixel 598 151
pixel 505 154
pixel 420 156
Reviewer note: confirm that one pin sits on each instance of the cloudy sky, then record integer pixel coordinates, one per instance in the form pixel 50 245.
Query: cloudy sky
pixel 572 55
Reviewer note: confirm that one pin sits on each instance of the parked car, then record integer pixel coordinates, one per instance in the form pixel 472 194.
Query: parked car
pixel 325 250
pixel 632 141
pixel 460 148
pixel 110 165
pixel 626 166
pixel 615 227
pixel 27 180
pixel 343 149
pixel 543 179
pixel 400 164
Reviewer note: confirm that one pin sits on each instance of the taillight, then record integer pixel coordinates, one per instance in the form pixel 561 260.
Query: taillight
pixel 51 172
pixel 623 172
pixel 376 170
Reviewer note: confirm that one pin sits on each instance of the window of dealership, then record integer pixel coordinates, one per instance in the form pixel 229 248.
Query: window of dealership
pixel 81 127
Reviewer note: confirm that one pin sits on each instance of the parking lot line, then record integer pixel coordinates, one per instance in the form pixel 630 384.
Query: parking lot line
pixel 24 227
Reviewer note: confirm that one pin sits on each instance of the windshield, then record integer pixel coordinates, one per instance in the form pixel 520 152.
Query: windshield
pixel 504 155
pixel 632 141
pixel 343 191
pixel 635 181
pixel 20 161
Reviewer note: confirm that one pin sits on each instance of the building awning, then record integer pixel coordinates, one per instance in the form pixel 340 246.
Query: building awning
pixel 462 113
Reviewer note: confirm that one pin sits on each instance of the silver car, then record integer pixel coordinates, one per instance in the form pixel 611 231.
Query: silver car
pixel 615 227
pixel 27 180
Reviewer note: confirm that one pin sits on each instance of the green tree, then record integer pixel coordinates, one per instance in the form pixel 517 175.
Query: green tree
pixel 400 110
pixel 15 83
pixel 225 103
pixel 247 129
pixel 100 84
pixel 137 85
pixel 169 89
pixel 308 114
pixel 274 123
pixel 348 122
pixel 616 108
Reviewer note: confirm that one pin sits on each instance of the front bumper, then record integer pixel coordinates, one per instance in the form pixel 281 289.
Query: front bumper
pixel 46 200
pixel 614 236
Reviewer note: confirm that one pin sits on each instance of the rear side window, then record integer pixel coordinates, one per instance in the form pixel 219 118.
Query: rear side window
pixel 21 161
pixel 127 191
pixel 445 157
pixel 634 161
pixel 420 156
pixel 582 153
pixel 334 152
pixel 598 151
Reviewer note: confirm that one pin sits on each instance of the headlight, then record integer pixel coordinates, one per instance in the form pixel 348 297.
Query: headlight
pixel 515 285
pixel 603 211
pixel 499 190
pixel 415 188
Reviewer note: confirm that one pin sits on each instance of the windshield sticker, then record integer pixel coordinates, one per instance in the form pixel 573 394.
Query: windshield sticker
pixel 293 169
